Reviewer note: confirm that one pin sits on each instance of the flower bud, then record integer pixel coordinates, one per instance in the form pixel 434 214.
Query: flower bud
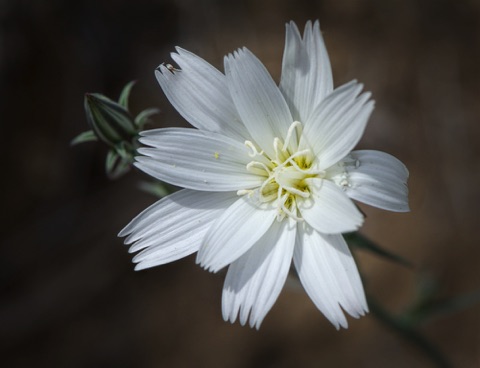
pixel 111 122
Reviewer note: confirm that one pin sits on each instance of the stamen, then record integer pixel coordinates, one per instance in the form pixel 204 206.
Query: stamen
pixel 298 192
pixel 291 160
pixel 293 216
pixel 254 152
pixel 270 194
pixel 297 127
pixel 285 209
pixel 279 152
pixel 285 173
pixel 242 192
pixel 259 168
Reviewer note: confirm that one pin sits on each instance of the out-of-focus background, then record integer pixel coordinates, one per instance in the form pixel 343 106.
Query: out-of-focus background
pixel 69 295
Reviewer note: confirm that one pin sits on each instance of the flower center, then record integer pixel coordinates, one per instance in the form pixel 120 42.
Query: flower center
pixel 285 173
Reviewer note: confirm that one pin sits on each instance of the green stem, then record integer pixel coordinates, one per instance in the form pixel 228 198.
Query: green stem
pixel 360 241
pixel 408 333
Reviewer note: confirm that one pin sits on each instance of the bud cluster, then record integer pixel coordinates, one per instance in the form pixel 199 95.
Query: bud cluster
pixel 112 123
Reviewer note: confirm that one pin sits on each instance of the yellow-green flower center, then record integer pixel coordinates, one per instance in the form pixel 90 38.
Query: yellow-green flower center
pixel 285 173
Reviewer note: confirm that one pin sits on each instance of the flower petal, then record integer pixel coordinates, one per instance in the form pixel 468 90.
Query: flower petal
pixel 196 159
pixel 234 233
pixel 328 210
pixel 329 275
pixel 375 178
pixel 258 100
pixel 174 226
pixel 254 281
pixel 337 124
pixel 200 94
pixel 306 71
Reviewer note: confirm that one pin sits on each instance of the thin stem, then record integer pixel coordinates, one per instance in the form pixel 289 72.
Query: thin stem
pixel 409 334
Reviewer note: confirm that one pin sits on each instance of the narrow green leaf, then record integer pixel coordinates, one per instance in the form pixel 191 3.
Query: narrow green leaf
pixel 121 169
pixel 456 304
pixel 359 241
pixel 115 166
pixel 144 117
pixel 433 307
pixel 409 334
pixel 157 189
pixel 125 151
pixel 88 136
pixel 125 95
pixel 111 161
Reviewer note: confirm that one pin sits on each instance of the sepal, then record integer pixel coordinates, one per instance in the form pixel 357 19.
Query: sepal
pixel 88 136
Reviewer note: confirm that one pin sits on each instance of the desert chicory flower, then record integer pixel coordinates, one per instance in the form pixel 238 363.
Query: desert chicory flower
pixel 269 175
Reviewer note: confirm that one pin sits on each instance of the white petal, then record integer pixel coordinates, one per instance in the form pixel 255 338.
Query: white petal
pixel 234 233
pixel 337 125
pixel 258 100
pixel 200 94
pixel 328 210
pixel 196 159
pixel 306 71
pixel 329 275
pixel 375 178
pixel 254 281
pixel 174 227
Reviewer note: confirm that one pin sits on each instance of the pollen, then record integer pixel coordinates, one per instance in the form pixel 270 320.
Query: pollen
pixel 216 155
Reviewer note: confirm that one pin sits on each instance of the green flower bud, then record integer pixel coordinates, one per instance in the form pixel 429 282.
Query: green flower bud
pixel 112 123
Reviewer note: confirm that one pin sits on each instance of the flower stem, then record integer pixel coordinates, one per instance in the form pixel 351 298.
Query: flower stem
pixel 409 334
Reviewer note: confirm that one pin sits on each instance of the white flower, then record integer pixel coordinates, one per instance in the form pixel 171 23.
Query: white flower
pixel 269 175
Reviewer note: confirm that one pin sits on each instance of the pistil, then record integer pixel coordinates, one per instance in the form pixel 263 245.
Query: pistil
pixel 284 174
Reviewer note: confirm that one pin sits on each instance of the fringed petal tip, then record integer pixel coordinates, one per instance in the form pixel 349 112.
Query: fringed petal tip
pixel 329 275
pixel 174 227
pixel 254 281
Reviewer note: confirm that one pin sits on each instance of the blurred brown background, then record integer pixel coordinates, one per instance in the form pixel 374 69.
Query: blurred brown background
pixel 69 295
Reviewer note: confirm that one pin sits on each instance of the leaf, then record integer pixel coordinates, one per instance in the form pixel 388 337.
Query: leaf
pixel 408 333
pixel 428 305
pixel 455 304
pixel 115 166
pixel 124 96
pixel 358 240
pixel 111 161
pixel 158 189
pixel 125 151
pixel 88 136
pixel 144 116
